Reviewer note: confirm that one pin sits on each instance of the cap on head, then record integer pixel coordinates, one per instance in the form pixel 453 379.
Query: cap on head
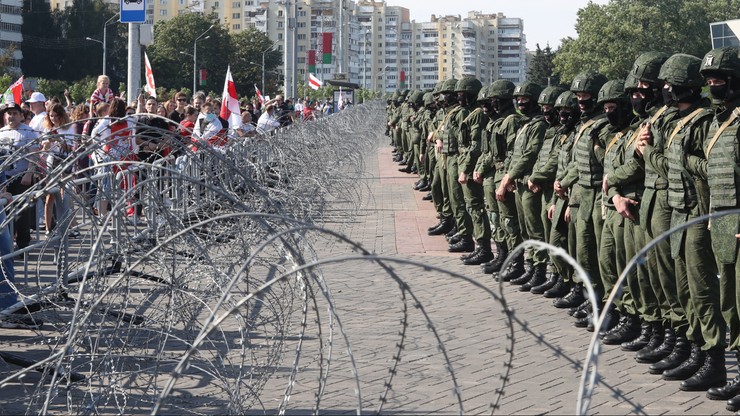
pixel 36 97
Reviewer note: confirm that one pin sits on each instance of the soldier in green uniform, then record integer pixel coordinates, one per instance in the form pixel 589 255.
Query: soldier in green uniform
pixel 470 145
pixel 462 241
pixel 426 150
pixel 612 252
pixel 583 178
pixel 491 169
pixel 721 69
pixel 440 191
pixel 569 114
pixel 416 105
pixel 407 112
pixel 697 284
pixel 527 145
pixel 543 174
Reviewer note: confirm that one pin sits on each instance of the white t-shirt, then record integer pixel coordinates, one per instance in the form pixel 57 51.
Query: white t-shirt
pixel 37 122
pixel 267 123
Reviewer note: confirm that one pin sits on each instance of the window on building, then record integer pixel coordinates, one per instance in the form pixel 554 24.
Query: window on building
pixel 236 26
pixel 163 12
pixel 236 16
pixel 280 13
pixel 301 37
pixel 236 4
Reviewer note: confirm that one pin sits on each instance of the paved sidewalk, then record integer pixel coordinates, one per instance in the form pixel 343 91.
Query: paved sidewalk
pixel 471 329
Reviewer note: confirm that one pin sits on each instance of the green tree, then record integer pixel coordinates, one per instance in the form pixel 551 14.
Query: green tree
pixel 541 68
pixel 246 59
pixel 611 36
pixel 173 69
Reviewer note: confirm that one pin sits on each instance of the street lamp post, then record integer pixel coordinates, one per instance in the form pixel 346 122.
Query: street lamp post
pixel 195 56
pixel 105 36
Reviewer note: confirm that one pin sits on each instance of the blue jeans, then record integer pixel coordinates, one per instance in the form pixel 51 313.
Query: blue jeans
pixel 8 297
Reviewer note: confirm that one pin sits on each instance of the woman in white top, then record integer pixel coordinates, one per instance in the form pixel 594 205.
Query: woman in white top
pixel 56 145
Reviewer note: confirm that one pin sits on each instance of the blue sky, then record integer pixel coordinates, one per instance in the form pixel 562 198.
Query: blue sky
pixel 544 20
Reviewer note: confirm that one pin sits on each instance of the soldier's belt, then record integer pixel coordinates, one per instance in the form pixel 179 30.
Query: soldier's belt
pixel 661 184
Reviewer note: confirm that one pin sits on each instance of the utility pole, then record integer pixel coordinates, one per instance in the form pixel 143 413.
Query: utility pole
pixel 134 62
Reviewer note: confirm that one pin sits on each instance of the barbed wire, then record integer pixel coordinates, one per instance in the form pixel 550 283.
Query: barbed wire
pixel 200 282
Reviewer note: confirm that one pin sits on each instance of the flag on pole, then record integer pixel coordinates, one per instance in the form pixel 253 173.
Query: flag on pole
pixel 259 94
pixel 314 82
pixel 15 91
pixel 151 89
pixel 230 102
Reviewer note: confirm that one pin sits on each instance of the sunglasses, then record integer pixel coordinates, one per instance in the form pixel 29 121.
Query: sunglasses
pixel 182 99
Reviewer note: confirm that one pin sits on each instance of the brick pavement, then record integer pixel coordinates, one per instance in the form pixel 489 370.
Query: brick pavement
pixel 469 323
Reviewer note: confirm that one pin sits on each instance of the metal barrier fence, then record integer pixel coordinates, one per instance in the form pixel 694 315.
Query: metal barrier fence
pixel 195 272
pixel 166 247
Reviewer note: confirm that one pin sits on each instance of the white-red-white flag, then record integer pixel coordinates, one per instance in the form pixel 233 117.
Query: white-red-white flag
pixel 230 102
pixel 151 89
pixel 259 94
pixel 14 93
pixel 314 82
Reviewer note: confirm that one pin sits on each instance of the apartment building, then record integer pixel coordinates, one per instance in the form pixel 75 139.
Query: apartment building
pixel 11 21
pixel 370 43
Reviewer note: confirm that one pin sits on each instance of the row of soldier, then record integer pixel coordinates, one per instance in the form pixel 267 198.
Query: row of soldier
pixel 600 170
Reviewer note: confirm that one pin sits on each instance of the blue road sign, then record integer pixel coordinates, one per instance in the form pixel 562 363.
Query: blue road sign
pixel 133 11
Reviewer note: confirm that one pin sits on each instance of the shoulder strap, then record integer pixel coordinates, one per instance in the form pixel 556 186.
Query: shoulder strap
pixel 616 139
pixel 563 138
pixel 684 121
pixel 652 120
pixel 472 114
pixel 582 129
pixel 725 125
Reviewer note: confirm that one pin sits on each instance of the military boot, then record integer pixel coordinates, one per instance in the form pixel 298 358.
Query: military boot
pixel 427 197
pixel 426 188
pixel 435 225
pixel 573 298
pixel 581 310
pixel 712 374
pixel 466 256
pixel 646 330
pixel 494 265
pixel 484 254
pixel 538 278
pixel 689 367
pixel 421 184
pixel 560 289
pixel 452 231
pixel 627 330
pixel 465 244
pixel 526 274
pixel 663 350
pixel 730 390
pixel 611 320
pixel 455 238
pixel 551 281
pixel 656 338
pixel 405 169
pixel 516 268
pixel 733 404
pixel 445 225
pixel 681 352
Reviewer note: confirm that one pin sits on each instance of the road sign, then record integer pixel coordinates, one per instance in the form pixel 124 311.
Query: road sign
pixel 133 11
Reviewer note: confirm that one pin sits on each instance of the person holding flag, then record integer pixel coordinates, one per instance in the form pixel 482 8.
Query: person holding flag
pixel 230 110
